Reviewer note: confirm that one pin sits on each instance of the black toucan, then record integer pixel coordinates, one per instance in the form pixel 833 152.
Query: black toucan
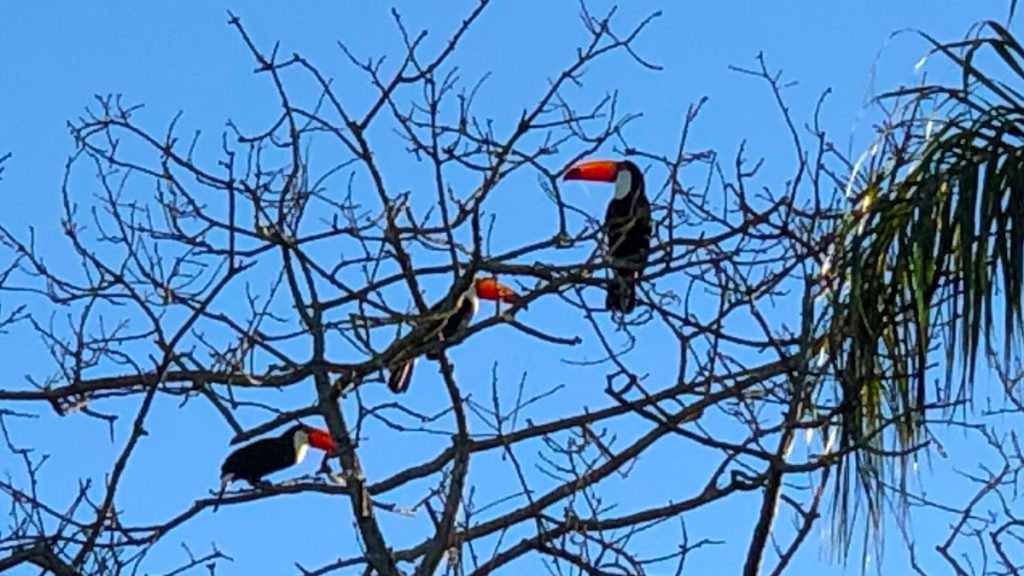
pixel 466 306
pixel 254 461
pixel 627 226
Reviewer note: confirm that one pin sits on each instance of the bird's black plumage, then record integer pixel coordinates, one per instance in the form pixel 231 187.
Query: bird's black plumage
pixel 457 321
pixel 254 461
pixel 628 230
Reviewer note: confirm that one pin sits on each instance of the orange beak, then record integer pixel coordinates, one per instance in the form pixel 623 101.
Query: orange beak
pixel 490 289
pixel 594 170
pixel 320 439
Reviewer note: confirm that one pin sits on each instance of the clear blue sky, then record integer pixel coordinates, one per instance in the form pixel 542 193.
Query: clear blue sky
pixel 183 57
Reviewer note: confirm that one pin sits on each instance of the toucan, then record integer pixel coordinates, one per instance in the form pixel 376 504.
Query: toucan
pixel 627 225
pixel 466 306
pixel 254 461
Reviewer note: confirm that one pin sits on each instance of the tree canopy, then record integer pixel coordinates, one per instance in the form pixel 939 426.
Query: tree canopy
pixel 798 348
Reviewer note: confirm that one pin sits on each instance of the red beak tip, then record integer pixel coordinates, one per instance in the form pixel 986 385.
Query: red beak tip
pixel 321 439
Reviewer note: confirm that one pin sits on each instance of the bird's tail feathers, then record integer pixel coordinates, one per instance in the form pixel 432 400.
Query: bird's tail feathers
pixel 621 294
pixel 398 380
pixel 225 480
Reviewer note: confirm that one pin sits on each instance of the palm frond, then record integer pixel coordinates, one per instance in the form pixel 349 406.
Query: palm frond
pixel 931 253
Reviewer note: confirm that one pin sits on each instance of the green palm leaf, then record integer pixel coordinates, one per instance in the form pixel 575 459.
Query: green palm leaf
pixel 931 254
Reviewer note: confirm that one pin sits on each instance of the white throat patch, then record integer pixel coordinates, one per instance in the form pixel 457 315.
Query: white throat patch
pixel 301 443
pixel 623 184
pixel 474 302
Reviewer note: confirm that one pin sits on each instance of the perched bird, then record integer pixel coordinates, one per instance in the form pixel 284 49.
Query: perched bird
pixel 627 225
pixel 466 306
pixel 254 461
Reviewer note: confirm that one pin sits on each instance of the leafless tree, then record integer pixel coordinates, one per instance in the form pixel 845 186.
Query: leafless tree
pixel 226 276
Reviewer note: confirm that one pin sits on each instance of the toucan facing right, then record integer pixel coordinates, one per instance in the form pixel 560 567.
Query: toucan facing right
pixel 466 306
pixel 254 461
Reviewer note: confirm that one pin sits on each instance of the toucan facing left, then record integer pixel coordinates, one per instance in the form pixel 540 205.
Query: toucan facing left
pixel 627 225
pixel 254 461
